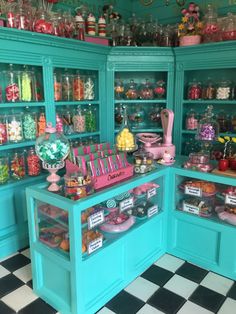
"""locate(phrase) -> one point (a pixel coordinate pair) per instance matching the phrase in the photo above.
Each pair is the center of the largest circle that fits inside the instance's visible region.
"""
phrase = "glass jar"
(57, 86)
(155, 116)
(3, 129)
(229, 28)
(17, 166)
(12, 90)
(160, 89)
(118, 115)
(131, 90)
(4, 170)
(33, 163)
(191, 120)
(125, 139)
(27, 85)
(78, 87)
(29, 125)
(208, 128)
(138, 116)
(223, 90)
(59, 123)
(211, 29)
(14, 128)
(233, 123)
(194, 90)
(89, 88)
(209, 90)
(67, 84)
(68, 127)
(146, 91)
(119, 89)
(79, 121)
(41, 124)
(223, 122)
(90, 119)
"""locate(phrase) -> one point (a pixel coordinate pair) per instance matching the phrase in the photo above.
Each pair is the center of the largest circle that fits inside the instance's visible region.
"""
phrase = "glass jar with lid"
(194, 90)
(90, 119)
(79, 120)
(160, 89)
(29, 124)
(27, 85)
(12, 79)
(208, 128)
(89, 88)
(131, 90)
(41, 123)
(191, 120)
(223, 121)
(229, 28)
(4, 170)
(14, 128)
(3, 129)
(59, 122)
(155, 116)
(33, 163)
(57, 86)
(119, 89)
(223, 90)
(67, 117)
(146, 90)
(118, 115)
(209, 90)
(17, 165)
(211, 28)
(67, 86)
(78, 87)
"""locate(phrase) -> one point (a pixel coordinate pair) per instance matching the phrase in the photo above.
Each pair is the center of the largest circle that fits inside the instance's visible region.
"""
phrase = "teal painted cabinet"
(43, 57)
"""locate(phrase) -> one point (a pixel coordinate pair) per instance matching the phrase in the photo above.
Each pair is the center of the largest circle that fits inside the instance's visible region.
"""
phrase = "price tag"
(152, 211)
(95, 245)
(151, 192)
(190, 208)
(126, 204)
(190, 190)
(95, 219)
(230, 199)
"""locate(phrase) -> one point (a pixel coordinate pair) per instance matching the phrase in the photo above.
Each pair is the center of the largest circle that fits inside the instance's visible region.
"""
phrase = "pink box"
(97, 40)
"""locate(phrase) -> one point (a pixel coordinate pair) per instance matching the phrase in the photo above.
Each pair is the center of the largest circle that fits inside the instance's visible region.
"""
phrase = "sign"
(190, 190)
(151, 192)
(152, 211)
(95, 245)
(126, 204)
(190, 209)
(95, 219)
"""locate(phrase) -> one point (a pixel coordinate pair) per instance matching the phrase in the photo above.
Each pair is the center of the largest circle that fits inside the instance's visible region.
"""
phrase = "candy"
(223, 93)
(79, 123)
(17, 166)
(89, 89)
(12, 92)
(41, 124)
(33, 164)
(14, 130)
(4, 172)
(3, 133)
(90, 121)
(207, 132)
(59, 124)
(125, 140)
(52, 152)
(78, 89)
(29, 127)
(26, 94)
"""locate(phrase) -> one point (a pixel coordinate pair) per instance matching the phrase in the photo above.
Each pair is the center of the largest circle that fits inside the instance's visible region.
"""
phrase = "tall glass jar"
(223, 90)
(67, 121)
(78, 87)
(90, 119)
(209, 90)
(14, 128)
(57, 86)
(208, 128)
(18, 165)
(211, 29)
(33, 163)
(67, 86)
(29, 125)
(3, 129)
(4, 170)
(118, 115)
(229, 28)
(119, 89)
(27, 85)
(154, 116)
(12, 89)
(89, 88)
(223, 121)
(79, 121)
(59, 123)
(191, 120)
(41, 123)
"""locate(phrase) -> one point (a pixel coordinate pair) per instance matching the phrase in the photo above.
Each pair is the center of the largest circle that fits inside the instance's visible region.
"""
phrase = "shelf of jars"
(141, 101)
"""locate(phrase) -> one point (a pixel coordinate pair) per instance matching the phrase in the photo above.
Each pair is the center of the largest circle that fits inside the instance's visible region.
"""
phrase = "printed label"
(152, 211)
(95, 244)
(230, 199)
(192, 191)
(126, 204)
(190, 209)
(151, 192)
(95, 219)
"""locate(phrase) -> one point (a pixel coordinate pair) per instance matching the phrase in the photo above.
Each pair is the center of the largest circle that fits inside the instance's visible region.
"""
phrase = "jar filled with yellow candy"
(125, 139)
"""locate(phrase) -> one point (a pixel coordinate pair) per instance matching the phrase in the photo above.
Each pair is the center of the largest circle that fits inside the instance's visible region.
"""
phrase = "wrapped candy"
(14, 128)
(18, 166)
(33, 163)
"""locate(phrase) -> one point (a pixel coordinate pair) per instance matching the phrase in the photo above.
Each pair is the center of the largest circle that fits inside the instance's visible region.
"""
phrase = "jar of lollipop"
(29, 125)
(78, 87)
(17, 166)
(33, 163)
(160, 89)
(57, 87)
(79, 121)
(14, 128)
(4, 170)
(3, 129)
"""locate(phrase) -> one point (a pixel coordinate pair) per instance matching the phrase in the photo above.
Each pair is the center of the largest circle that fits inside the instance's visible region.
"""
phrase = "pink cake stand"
(53, 178)
(148, 138)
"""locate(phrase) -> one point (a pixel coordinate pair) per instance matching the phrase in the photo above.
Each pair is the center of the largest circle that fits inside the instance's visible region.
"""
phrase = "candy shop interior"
(117, 147)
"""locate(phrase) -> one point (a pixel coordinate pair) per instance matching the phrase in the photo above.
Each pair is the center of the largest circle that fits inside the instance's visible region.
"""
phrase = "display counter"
(83, 254)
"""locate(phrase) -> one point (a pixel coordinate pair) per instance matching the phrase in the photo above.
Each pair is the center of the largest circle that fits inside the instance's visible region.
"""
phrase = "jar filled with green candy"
(4, 170)
(90, 119)
(27, 81)
(29, 124)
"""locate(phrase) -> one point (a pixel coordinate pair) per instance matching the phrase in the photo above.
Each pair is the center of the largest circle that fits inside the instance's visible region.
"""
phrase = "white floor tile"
(9, 256)
(105, 310)
(24, 273)
(3, 271)
(26, 253)
(228, 307)
(169, 262)
(19, 298)
(141, 288)
(217, 283)
(181, 286)
(192, 308)
(148, 309)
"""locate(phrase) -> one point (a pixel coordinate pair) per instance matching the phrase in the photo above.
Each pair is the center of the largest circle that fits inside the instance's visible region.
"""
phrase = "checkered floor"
(169, 286)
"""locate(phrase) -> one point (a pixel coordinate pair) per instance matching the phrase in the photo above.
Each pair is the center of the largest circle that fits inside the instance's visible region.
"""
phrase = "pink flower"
(184, 11)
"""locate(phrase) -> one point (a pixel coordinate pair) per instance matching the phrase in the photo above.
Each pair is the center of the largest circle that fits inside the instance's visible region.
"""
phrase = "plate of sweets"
(207, 188)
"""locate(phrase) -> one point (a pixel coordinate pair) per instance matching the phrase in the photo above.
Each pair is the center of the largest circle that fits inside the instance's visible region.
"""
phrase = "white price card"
(126, 204)
(94, 245)
(230, 199)
(151, 192)
(95, 219)
(190, 208)
(152, 211)
(191, 190)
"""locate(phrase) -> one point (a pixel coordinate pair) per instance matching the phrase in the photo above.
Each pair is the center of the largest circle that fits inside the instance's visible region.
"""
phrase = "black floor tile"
(192, 272)
(232, 292)
(166, 301)
(4, 309)
(15, 262)
(8, 284)
(30, 284)
(157, 275)
(207, 298)
(125, 303)
(38, 307)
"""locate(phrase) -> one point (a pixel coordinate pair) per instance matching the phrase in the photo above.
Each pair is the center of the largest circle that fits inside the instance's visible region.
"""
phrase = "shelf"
(143, 130)
(21, 104)
(193, 132)
(26, 180)
(74, 103)
(210, 102)
(141, 101)
(78, 135)
(17, 145)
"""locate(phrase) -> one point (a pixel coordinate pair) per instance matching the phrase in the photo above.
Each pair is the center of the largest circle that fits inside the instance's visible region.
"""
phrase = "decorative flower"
(190, 23)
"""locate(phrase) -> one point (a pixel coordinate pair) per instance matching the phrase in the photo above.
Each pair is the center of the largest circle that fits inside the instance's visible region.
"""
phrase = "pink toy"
(150, 139)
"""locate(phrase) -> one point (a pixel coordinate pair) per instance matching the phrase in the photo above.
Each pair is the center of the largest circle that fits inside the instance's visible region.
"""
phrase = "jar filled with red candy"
(57, 86)
(59, 123)
(42, 23)
(191, 120)
(78, 87)
(17, 163)
(146, 91)
(12, 90)
(229, 28)
(211, 29)
(131, 90)
(3, 130)
(33, 163)
(160, 89)
(194, 90)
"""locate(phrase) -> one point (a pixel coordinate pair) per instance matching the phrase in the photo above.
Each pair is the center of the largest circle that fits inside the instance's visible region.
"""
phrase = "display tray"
(228, 173)
(112, 226)
(225, 216)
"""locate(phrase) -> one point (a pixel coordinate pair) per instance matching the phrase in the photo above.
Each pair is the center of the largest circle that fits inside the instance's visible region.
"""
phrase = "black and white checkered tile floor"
(169, 286)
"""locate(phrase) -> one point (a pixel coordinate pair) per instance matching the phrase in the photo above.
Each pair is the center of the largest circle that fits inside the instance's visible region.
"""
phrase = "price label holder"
(95, 245)
(126, 204)
(151, 192)
(190, 208)
(230, 199)
(95, 219)
(152, 211)
(191, 190)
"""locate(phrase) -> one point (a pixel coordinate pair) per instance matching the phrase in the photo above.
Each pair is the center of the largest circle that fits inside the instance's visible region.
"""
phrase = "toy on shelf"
(52, 148)
(150, 139)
